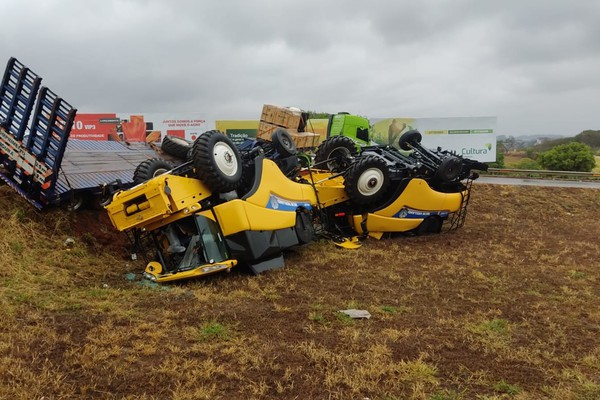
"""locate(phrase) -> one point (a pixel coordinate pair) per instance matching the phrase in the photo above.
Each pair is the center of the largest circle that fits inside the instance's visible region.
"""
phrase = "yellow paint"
(149, 202)
(237, 216)
(420, 196)
(417, 195)
(223, 125)
(204, 269)
(274, 182)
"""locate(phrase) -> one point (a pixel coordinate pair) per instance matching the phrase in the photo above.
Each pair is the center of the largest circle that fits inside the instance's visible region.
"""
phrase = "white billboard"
(470, 137)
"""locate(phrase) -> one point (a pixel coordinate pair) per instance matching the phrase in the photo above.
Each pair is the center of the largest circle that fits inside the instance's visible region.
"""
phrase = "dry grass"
(506, 307)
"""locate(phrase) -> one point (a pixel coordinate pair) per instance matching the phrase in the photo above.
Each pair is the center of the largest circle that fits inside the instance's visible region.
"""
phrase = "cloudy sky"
(533, 64)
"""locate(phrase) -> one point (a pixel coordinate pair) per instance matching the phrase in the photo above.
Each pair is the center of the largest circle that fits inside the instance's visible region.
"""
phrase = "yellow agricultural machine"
(230, 205)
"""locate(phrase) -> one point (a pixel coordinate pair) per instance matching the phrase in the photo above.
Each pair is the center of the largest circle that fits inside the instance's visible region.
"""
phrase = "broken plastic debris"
(356, 314)
(69, 243)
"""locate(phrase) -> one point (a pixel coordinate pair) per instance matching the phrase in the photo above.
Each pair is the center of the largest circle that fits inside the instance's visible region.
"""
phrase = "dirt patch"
(506, 305)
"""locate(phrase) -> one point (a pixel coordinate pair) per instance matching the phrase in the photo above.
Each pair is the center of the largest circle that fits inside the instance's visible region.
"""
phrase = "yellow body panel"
(154, 269)
(377, 224)
(177, 216)
(238, 215)
(417, 195)
(330, 188)
(274, 182)
(420, 196)
(151, 202)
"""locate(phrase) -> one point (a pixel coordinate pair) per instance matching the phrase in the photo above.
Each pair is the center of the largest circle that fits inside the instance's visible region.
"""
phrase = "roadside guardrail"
(543, 174)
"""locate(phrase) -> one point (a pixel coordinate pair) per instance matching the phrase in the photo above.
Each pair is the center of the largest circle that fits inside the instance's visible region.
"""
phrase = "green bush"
(572, 156)
(527, 163)
(499, 163)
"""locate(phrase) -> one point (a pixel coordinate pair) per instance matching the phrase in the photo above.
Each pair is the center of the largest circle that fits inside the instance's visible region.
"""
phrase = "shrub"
(499, 163)
(527, 163)
(572, 156)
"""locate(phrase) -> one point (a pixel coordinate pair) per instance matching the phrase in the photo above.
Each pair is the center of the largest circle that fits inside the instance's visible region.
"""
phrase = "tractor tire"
(176, 146)
(408, 137)
(217, 161)
(333, 153)
(150, 168)
(367, 181)
(449, 169)
(78, 201)
(283, 143)
(305, 230)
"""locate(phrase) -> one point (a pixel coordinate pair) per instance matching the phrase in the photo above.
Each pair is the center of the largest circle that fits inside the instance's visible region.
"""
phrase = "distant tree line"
(565, 154)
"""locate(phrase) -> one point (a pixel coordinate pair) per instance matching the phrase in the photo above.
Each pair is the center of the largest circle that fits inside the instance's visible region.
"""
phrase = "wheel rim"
(159, 171)
(370, 182)
(225, 159)
(339, 152)
(77, 202)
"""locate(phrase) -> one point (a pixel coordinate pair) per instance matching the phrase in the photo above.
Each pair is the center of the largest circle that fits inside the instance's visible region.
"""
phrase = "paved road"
(500, 180)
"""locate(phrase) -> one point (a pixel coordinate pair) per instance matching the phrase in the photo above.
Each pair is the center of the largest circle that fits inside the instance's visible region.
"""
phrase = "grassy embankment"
(506, 307)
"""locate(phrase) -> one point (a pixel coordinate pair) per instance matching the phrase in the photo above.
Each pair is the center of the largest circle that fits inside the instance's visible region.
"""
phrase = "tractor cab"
(189, 247)
(353, 126)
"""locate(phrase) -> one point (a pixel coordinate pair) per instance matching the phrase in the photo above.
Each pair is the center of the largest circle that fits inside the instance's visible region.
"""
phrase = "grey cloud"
(528, 62)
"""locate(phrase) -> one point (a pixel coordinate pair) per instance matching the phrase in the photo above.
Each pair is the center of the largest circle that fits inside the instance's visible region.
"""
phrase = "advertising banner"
(138, 127)
(470, 137)
(238, 130)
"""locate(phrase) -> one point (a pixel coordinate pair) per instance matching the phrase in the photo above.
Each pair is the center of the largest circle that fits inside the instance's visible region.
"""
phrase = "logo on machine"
(281, 204)
(409, 213)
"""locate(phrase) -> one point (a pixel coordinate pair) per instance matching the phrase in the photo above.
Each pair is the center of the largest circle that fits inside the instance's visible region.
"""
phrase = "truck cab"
(353, 126)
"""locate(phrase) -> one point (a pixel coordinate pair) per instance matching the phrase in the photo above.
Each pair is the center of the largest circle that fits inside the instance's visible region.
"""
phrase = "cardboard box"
(265, 130)
(281, 116)
(305, 139)
(302, 139)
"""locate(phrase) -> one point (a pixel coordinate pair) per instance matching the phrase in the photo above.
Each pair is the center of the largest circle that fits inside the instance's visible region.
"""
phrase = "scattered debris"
(356, 314)
(69, 243)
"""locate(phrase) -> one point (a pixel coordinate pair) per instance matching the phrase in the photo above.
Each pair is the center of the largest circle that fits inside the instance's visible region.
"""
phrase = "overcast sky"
(533, 64)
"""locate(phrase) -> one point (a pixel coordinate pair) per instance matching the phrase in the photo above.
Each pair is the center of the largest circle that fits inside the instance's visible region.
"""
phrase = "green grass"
(213, 330)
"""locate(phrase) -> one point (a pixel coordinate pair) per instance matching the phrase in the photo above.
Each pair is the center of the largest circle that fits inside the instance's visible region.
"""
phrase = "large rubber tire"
(367, 181)
(217, 161)
(408, 137)
(284, 143)
(305, 230)
(176, 146)
(333, 152)
(150, 168)
(78, 201)
(449, 169)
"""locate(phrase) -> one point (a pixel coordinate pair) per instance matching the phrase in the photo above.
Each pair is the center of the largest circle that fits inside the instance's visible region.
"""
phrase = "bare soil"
(508, 306)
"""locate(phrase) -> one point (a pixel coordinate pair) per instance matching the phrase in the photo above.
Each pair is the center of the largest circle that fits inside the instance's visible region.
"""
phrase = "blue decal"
(280, 204)
(409, 213)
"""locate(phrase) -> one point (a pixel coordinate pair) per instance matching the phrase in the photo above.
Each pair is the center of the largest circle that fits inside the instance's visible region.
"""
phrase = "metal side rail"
(31, 165)
(18, 91)
(458, 218)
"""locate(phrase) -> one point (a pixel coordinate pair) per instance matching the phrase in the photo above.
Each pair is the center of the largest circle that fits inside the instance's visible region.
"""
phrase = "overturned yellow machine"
(227, 205)
(199, 220)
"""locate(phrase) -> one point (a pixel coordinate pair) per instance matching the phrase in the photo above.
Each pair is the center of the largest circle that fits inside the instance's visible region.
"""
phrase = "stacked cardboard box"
(274, 117)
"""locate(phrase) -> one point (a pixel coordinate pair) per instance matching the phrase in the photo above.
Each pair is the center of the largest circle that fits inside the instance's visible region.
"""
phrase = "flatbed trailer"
(38, 160)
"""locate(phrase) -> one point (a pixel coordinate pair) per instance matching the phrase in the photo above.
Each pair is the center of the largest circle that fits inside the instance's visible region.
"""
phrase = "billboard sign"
(138, 127)
(470, 137)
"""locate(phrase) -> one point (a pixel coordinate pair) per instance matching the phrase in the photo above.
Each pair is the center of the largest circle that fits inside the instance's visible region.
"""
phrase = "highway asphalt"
(501, 180)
